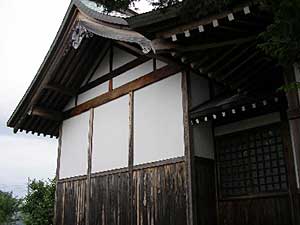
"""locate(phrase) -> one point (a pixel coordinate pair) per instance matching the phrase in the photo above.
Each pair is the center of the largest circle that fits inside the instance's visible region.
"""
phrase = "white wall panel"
(133, 74)
(158, 121)
(203, 140)
(111, 134)
(73, 161)
(160, 64)
(121, 57)
(199, 90)
(92, 93)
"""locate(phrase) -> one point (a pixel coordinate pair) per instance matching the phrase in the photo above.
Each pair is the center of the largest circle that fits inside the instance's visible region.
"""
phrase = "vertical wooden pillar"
(57, 172)
(111, 60)
(189, 154)
(130, 155)
(89, 169)
(293, 114)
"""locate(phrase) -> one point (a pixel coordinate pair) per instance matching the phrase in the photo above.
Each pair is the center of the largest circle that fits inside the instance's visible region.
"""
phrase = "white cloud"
(23, 157)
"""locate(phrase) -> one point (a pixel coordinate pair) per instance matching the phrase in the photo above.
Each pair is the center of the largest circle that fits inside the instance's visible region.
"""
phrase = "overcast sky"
(27, 31)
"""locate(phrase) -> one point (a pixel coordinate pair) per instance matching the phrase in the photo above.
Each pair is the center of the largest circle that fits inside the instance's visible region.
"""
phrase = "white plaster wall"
(248, 124)
(121, 57)
(92, 93)
(203, 140)
(160, 64)
(133, 74)
(111, 135)
(73, 161)
(199, 90)
(158, 121)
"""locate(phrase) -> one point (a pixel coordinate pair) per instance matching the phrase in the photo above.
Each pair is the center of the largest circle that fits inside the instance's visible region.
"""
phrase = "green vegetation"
(38, 205)
(9, 206)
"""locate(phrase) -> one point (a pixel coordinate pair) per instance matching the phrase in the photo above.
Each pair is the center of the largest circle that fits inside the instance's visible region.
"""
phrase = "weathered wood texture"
(159, 195)
(205, 191)
(70, 204)
(109, 201)
(260, 211)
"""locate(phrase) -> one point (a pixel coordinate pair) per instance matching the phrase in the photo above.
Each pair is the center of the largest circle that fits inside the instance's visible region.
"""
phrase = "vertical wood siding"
(109, 202)
(159, 195)
(262, 211)
(70, 205)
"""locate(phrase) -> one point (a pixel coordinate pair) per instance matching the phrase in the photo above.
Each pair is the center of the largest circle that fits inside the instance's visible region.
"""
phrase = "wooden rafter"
(46, 113)
(98, 62)
(232, 60)
(206, 46)
(239, 66)
(195, 24)
(61, 89)
(122, 69)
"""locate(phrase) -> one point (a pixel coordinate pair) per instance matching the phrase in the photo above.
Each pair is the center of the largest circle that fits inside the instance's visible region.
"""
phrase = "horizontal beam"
(206, 46)
(61, 89)
(123, 90)
(122, 69)
(195, 24)
(48, 114)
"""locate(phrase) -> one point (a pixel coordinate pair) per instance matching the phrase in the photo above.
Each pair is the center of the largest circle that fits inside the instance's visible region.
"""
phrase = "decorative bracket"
(79, 33)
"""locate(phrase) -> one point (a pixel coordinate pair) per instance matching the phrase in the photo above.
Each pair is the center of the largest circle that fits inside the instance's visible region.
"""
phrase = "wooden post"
(111, 61)
(130, 155)
(89, 169)
(57, 172)
(294, 136)
(189, 155)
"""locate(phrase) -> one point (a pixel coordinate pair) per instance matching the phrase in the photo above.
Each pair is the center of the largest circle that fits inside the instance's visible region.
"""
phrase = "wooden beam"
(232, 60)
(111, 61)
(205, 46)
(195, 24)
(240, 65)
(122, 69)
(61, 89)
(98, 61)
(123, 90)
(189, 155)
(220, 59)
(89, 167)
(46, 113)
(57, 172)
(131, 154)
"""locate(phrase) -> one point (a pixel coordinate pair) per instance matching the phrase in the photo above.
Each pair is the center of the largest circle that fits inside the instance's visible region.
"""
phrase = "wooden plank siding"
(256, 211)
(109, 200)
(158, 197)
(71, 201)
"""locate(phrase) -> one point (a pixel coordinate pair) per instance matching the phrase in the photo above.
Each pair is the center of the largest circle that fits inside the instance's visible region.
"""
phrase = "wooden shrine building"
(166, 121)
